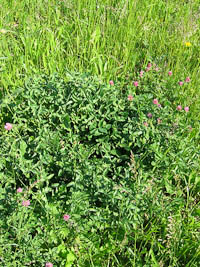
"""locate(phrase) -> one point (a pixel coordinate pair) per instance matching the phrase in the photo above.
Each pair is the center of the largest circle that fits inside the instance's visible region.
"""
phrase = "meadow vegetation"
(99, 113)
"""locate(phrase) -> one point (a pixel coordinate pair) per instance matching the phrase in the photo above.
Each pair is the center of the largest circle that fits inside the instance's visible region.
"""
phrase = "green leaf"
(103, 130)
(96, 35)
(67, 121)
(169, 187)
(23, 147)
(70, 259)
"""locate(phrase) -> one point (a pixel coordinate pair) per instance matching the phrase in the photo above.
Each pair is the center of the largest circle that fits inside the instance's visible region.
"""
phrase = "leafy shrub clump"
(95, 151)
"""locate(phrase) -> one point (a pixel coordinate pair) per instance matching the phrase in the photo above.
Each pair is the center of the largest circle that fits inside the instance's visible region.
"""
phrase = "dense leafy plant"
(96, 151)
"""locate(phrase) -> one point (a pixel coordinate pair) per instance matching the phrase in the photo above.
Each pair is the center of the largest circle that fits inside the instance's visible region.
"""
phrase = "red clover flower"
(155, 101)
(66, 217)
(179, 107)
(26, 203)
(170, 73)
(8, 126)
(130, 98)
(19, 190)
(111, 82)
(186, 109)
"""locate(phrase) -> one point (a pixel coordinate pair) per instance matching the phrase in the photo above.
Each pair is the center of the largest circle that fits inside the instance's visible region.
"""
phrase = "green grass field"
(112, 40)
(109, 38)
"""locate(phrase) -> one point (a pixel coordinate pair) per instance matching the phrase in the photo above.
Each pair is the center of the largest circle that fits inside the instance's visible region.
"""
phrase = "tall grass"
(109, 38)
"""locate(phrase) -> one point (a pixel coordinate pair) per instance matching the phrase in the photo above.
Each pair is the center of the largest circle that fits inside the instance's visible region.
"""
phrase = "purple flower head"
(186, 109)
(130, 98)
(179, 107)
(66, 217)
(26, 203)
(170, 73)
(187, 80)
(141, 73)
(19, 190)
(155, 101)
(8, 126)
(111, 82)
(149, 115)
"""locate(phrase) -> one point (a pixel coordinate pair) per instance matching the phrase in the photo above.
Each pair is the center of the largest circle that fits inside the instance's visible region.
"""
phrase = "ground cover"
(100, 133)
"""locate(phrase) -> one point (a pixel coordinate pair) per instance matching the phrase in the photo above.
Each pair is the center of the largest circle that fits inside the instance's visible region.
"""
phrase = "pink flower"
(8, 126)
(135, 84)
(159, 105)
(146, 124)
(155, 101)
(179, 107)
(170, 73)
(159, 121)
(111, 82)
(48, 264)
(187, 80)
(148, 68)
(26, 203)
(19, 190)
(66, 217)
(186, 109)
(149, 115)
(180, 83)
(141, 73)
(149, 65)
(130, 98)
(156, 69)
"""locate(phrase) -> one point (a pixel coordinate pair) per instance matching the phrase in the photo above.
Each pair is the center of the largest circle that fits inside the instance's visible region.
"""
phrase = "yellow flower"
(188, 44)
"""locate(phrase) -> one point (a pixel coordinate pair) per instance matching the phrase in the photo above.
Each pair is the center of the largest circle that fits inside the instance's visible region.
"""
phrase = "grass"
(110, 38)
(114, 40)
